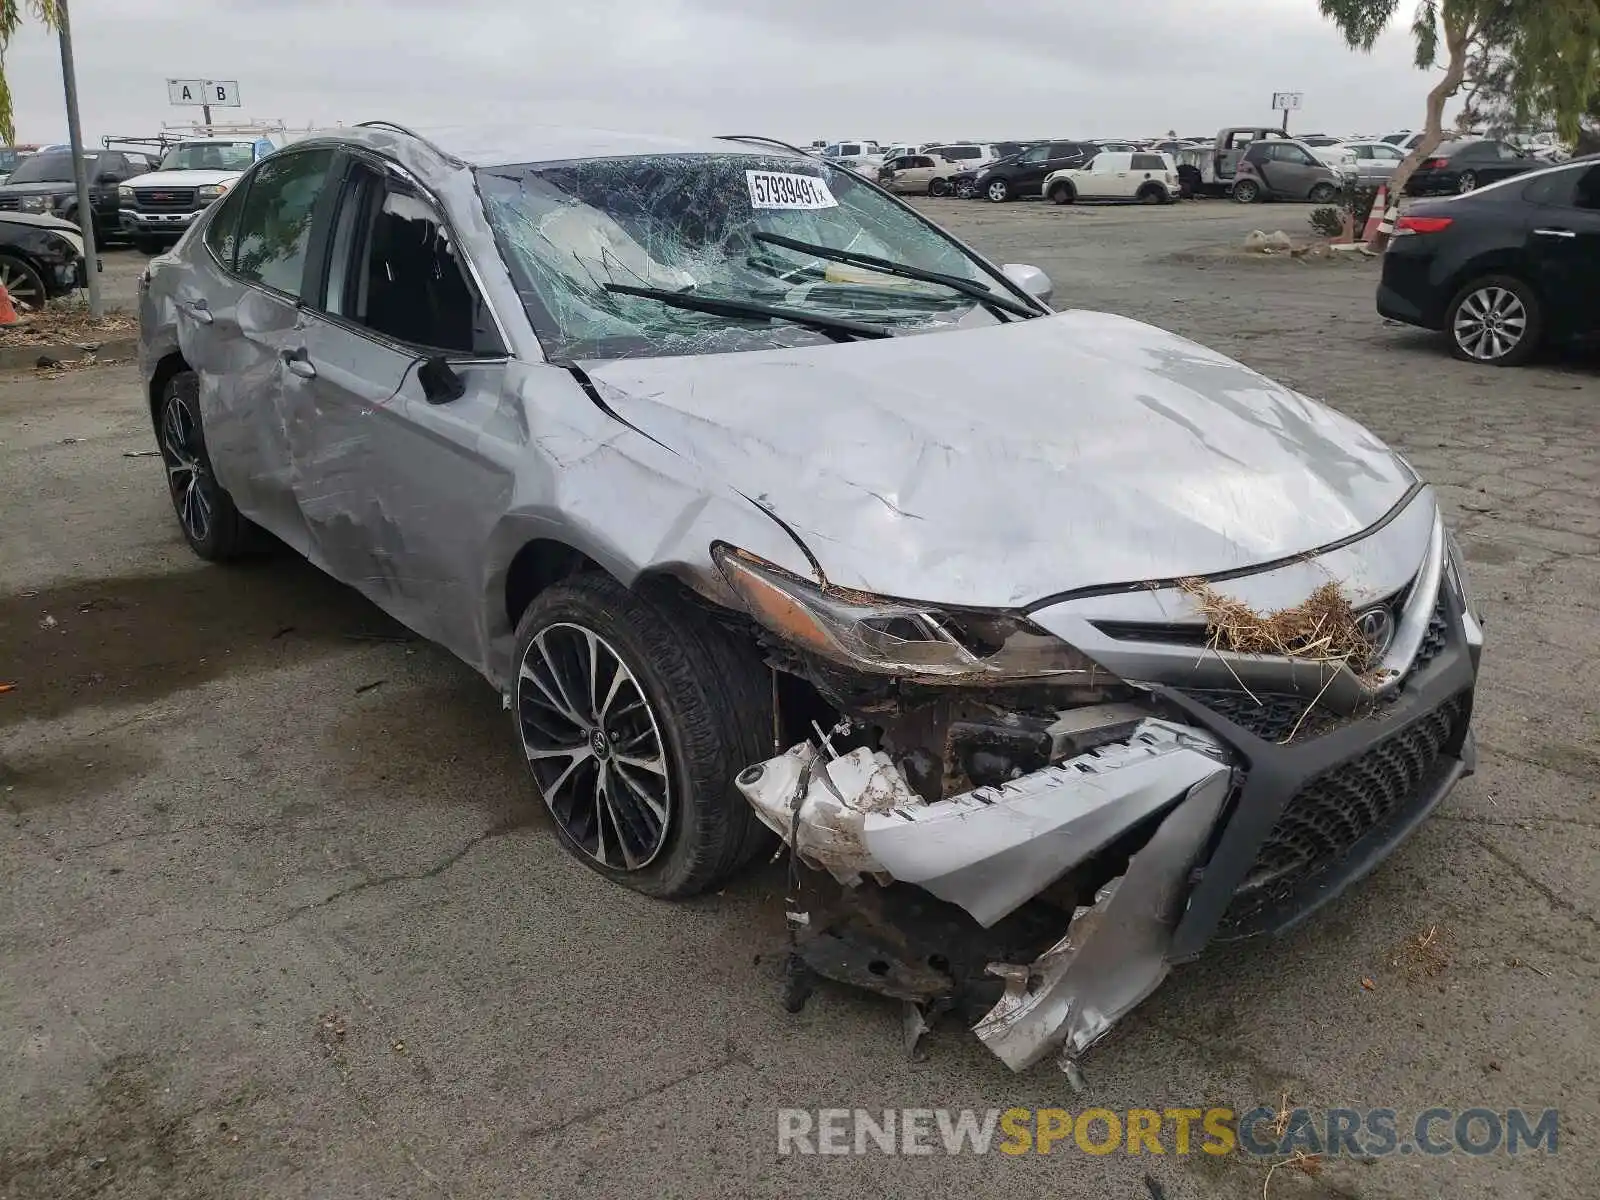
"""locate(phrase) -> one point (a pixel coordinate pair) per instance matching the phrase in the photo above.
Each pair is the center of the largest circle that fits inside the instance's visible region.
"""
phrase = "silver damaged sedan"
(787, 524)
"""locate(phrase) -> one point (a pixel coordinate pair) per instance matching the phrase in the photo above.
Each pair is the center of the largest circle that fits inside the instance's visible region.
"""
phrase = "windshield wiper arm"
(990, 300)
(840, 329)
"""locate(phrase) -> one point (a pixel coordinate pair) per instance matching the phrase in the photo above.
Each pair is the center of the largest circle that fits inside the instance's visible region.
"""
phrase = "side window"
(1390, 153)
(1587, 194)
(275, 221)
(1508, 151)
(1149, 162)
(922, 160)
(1097, 163)
(1037, 154)
(222, 229)
(395, 269)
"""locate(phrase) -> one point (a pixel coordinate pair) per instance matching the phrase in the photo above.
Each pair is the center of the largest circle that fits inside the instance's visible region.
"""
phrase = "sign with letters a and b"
(220, 93)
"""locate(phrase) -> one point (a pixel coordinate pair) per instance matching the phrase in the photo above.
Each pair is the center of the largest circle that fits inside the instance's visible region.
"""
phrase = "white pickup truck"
(156, 208)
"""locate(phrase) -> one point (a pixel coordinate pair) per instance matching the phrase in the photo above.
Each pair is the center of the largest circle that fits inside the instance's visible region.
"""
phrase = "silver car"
(773, 511)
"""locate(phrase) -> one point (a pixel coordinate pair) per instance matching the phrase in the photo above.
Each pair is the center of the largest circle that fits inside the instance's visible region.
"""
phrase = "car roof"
(487, 145)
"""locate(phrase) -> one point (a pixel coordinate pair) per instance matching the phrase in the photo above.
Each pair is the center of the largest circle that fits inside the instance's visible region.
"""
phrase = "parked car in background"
(45, 183)
(1115, 145)
(10, 156)
(919, 174)
(696, 450)
(1375, 161)
(1024, 174)
(855, 155)
(1284, 169)
(1504, 269)
(1143, 176)
(41, 258)
(1465, 166)
(155, 208)
(967, 156)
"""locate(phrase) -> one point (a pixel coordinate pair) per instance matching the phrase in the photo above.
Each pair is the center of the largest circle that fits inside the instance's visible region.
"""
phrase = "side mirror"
(1031, 280)
(440, 383)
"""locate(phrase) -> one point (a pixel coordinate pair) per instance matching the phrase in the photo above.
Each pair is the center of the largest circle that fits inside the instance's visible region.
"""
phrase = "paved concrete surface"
(281, 917)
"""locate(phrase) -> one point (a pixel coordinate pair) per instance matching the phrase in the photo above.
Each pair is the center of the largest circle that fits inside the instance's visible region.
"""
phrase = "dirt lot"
(283, 919)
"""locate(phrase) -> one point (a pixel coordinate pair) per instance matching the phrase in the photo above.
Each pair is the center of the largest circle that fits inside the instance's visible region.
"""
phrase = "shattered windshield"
(688, 224)
(210, 156)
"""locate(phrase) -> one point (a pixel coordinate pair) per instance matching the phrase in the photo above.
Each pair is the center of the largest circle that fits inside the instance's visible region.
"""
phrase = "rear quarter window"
(1149, 162)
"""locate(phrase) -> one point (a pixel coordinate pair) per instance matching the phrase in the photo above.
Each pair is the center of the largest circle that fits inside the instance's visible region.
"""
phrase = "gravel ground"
(281, 918)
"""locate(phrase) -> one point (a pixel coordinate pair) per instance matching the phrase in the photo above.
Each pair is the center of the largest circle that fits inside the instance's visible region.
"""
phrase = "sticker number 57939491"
(779, 189)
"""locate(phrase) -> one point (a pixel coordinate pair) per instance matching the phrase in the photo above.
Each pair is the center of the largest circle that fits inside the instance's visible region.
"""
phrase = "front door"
(1027, 177)
(408, 450)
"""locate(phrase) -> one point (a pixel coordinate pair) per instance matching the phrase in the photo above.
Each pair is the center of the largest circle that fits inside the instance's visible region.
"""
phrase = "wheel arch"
(170, 365)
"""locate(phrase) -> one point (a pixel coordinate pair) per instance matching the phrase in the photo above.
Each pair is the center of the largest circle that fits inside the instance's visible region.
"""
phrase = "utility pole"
(80, 165)
(205, 115)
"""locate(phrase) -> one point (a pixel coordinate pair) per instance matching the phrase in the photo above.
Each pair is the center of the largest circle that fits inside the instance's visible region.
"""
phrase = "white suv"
(1145, 176)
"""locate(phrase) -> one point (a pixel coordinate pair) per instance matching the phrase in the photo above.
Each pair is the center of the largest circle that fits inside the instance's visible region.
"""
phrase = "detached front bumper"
(1204, 819)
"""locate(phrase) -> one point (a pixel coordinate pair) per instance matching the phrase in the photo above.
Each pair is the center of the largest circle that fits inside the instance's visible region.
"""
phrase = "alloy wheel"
(1467, 183)
(22, 286)
(1490, 323)
(595, 745)
(186, 474)
(998, 191)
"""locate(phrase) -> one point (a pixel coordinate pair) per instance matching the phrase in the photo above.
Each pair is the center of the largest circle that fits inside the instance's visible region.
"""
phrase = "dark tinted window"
(275, 222)
(1577, 187)
(222, 229)
(398, 272)
(1149, 162)
(922, 160)
(53, 167)
(1066, 150)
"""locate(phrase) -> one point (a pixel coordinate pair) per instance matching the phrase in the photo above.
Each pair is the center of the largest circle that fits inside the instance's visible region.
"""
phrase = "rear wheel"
(1467, 183)
(1246, 191)
(939, 187)
(999, 191)
(1151, 194)
(23, 284)
(211, 524)
(1323, 193)
(1495, 321)
(636, 712)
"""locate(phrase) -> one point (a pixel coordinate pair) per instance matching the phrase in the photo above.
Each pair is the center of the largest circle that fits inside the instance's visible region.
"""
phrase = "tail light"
(1423, 224)
(1435, 164)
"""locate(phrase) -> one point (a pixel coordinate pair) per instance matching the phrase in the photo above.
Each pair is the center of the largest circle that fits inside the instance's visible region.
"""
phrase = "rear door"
(1564, 246)
(404, 456)
(1148, 168)
(238, 326)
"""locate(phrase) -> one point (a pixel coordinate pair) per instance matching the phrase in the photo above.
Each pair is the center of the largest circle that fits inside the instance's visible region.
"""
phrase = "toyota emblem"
(1376, 627)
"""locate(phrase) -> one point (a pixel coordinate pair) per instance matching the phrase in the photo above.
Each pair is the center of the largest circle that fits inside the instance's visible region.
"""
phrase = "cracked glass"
(686, 224)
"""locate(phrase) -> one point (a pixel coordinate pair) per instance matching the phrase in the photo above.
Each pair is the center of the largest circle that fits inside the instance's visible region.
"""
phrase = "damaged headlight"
(894, 637)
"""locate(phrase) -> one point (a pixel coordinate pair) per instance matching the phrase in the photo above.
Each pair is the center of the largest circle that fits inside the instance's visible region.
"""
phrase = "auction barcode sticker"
(777, 189)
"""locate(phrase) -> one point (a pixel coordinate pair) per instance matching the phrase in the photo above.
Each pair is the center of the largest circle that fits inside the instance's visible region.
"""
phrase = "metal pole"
(205, 114)
(1286, 119)
(80, 165)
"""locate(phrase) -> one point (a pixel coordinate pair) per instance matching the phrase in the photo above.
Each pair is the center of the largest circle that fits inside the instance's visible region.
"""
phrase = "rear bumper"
(1407, 291)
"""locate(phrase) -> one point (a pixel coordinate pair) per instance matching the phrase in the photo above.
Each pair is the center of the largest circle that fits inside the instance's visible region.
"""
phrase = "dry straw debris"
(1322, 629)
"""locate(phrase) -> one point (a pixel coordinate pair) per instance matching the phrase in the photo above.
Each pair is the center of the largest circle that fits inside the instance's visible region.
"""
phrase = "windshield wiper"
(840, 329)
(990, 300)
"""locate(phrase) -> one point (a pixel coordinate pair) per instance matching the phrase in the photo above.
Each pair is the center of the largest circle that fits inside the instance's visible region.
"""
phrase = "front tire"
(211, 524)
(1495, 321)
(998, 191)
(1062, 193)
(636, 712)
(24, 285)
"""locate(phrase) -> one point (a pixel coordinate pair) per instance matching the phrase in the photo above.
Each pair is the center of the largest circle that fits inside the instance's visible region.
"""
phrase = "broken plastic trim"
(890, 637)
(1115, 953)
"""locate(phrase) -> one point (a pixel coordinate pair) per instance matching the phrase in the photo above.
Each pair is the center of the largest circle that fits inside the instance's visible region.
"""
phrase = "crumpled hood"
(994, 467)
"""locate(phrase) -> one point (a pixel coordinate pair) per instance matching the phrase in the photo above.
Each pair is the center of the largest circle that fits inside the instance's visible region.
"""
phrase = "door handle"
(299, 364)
(198, 310)
(1560, 233)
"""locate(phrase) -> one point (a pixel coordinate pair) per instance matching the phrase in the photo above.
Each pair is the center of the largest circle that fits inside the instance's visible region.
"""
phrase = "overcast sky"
(797, 69)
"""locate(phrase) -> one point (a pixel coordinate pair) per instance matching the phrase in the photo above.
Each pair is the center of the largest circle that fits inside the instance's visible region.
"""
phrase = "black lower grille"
(164, 199)
(9, 204)
(1335, 810)
(1271, 717)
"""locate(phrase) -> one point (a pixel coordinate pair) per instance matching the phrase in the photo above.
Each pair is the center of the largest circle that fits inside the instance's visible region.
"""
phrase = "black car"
(1504, 269)
(1466, 166)
(1023, 174)
(41, 257)
(43, 183)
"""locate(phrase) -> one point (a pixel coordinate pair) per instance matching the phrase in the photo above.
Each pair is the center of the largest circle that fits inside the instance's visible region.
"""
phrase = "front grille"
(1271, 717)
(1335, 810)
(1436, 637)
(164, 199)
(10, 203)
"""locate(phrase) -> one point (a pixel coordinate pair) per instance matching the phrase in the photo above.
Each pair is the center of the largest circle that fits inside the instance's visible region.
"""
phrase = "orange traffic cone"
(1380, 205)
(8, 310)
